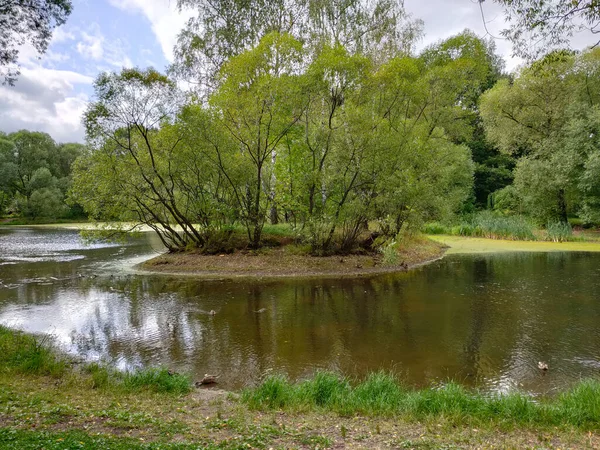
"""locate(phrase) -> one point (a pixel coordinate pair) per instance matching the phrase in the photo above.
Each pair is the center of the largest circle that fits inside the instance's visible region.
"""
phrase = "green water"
(483, 320)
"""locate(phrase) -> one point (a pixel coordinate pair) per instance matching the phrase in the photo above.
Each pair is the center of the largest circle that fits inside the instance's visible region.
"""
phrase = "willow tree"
(132, 157)
(367, 149)
(258, 103)
(222, 29)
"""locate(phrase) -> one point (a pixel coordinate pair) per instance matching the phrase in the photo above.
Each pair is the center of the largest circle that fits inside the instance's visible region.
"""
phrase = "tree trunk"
(562, 206)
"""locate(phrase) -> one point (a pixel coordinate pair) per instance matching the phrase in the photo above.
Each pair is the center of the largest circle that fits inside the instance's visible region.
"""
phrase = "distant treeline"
(35, 176)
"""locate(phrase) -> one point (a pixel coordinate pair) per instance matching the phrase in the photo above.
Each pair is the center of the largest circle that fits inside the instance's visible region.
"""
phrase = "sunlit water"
(482, 320)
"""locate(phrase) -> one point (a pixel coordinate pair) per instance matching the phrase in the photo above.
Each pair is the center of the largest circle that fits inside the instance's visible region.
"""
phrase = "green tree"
(225, 28)
(546, 117)
(134, 147)
(32, 162)
(259, 104)
(475, 68)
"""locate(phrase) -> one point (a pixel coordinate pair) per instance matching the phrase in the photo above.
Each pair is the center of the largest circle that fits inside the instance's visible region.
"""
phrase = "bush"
(435, 228)
(559, 231)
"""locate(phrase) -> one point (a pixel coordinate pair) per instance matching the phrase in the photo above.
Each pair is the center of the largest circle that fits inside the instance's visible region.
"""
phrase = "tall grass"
(559, 231)
(488, 224)
(381, 394)
(24, 353)
(491, 225)
(159, 380)
(435, 228)
(29, 354)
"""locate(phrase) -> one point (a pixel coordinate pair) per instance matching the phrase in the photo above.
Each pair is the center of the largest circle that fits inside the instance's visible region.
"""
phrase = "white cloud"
(444, 18)
(45, 100)
(60, 34)
(93, 45)
(164, 17)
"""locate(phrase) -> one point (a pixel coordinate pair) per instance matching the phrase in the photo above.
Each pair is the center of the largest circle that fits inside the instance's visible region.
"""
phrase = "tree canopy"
(548, 117)
(225, 28)
(326, 119)
(332, 141)
(27, 21)
(539, 25)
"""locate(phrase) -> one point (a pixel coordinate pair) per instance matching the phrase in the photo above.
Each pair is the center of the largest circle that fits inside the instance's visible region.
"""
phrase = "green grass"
(34, 355)
(381, 394)
(94, 406)
(40, 221)
(11, 439)
(435, 228)
(493, 225)
(487, 224)
(29, 354)
(157, 380)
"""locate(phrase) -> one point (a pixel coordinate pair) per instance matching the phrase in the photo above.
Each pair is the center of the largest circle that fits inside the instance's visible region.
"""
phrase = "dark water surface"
(483, 320)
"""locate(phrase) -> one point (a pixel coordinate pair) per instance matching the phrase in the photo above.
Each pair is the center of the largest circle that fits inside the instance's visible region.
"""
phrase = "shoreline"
(460, 245)
(280, 264)
(432, 248)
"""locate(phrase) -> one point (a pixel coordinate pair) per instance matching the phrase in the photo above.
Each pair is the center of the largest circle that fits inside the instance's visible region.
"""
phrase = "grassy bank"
(21, 221)
(491, 225)
(47, 401)
(464, 245)
(382, 394)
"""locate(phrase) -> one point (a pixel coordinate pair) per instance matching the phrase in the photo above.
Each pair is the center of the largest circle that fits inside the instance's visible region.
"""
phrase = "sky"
(53, 90)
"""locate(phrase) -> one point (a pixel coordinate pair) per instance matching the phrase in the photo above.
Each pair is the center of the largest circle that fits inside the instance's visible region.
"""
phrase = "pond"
(482, 320)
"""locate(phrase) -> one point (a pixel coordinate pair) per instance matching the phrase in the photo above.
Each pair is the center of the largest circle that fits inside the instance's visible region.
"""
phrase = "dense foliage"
(222, 29)
(548, 117)
(35, 175)
(319, 114)
(333, 141)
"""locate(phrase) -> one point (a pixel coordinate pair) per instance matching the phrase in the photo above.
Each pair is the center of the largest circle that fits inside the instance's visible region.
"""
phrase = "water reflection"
(482, 320)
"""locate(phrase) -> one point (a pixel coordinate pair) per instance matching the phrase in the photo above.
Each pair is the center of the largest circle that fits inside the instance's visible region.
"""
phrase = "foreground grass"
(48, 402)
(26, 354)
(382, 394)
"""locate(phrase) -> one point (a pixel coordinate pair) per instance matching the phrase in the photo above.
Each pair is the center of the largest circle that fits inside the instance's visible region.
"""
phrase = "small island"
(286, 260)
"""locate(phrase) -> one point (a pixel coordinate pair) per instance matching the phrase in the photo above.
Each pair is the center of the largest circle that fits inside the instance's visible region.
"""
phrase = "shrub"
(559, 231)
(435, 228)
